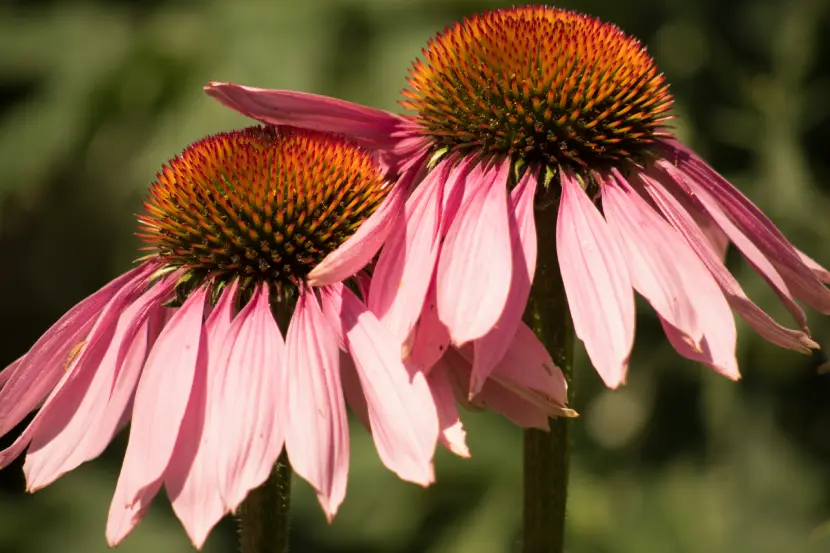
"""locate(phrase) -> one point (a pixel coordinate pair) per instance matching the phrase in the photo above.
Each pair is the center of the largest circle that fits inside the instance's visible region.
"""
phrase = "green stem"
(263, 516)
(547, 454)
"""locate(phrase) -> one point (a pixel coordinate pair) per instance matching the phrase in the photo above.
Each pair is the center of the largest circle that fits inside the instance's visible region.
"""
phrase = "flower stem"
(263, 516)
(547, 454)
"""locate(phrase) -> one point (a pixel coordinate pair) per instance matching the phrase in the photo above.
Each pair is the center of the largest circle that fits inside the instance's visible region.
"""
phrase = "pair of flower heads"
(341, 255)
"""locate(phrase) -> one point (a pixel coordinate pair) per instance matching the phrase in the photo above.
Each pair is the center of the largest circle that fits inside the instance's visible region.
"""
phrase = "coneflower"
(526, 107)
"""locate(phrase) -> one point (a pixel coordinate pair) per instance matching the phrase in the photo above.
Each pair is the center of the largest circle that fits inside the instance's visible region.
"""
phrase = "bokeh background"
(95, 95)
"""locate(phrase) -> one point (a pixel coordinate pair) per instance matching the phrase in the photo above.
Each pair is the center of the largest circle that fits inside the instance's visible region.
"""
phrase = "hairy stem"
(263, 516)
(547, 454)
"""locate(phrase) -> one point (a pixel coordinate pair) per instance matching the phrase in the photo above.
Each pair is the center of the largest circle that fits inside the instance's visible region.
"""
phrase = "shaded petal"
(804, 284)
(356, 252)
(371, 127)
(402, 414)
(162, 396)
(668, 273)
(490, 348)
(47, 361)
(251, 381)
(527, 371)
(596, 282)
(475, 266)
(192, 479)
(430, 338)
(407, 261)
(452, 434)
(515, 408)
(760, 321)
(317, 439)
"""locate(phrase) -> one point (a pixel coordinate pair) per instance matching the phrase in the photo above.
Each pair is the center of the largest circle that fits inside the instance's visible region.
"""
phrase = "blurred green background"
(95, 95)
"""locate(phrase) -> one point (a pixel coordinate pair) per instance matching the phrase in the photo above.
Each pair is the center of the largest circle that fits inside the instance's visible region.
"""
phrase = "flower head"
(220, 348)
(520, 109)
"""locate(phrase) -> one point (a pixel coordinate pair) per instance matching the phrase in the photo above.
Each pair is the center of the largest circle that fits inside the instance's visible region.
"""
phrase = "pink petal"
(493, 396)
(407, 261)
(161, 399)
(45, 364)
(490, 348)
(668, 273)
(596, 283)
(402, 413)
(760, 321)
(753, 223)
(251, 380)
(352, 390)
(527, 371)
(372, 127)
(356, 252)
(317, 439)
(192, 479)
(757, 260)
(452, 434)
(430, 338)
(107, 371)
(475, 267)
(6, 374)
(821, 273)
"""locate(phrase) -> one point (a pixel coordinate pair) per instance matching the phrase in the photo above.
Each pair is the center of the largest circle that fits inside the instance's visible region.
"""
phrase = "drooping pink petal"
(371, 127)
(668, 273)
(44, 365)
(803, 283)
(407, 261)
(252, 394)
(317, 438)
(192, 478)
(356, 252)
(452, 434)
(107, 370)
(761, 322)
(402, 413)
(655, 271)
(596, 282)
(475, 266)
(517, 409)
(821, 273)
(755, 257)
(161, 399)
(490, 348)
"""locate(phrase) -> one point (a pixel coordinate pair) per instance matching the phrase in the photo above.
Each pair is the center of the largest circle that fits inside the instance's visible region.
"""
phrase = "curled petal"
(760, 321)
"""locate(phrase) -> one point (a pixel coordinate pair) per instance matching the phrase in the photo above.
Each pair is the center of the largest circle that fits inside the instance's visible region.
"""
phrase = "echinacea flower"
(522, 108)
(221, 347)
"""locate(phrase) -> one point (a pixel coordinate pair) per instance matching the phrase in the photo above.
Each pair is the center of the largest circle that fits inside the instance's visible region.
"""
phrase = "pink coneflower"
(532, 106)
(224, 344)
